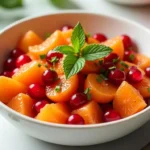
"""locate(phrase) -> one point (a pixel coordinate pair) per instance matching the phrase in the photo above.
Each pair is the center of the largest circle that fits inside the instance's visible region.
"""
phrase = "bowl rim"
(82, 12)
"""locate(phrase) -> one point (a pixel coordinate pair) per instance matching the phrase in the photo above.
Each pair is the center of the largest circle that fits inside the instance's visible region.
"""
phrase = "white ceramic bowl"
(66, 134)
(131, 2)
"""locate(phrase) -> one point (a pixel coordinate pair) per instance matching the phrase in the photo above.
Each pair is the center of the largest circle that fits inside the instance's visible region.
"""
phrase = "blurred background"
(12, 10)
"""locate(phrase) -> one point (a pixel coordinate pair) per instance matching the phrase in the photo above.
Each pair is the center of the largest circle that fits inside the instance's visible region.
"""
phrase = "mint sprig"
(77, 55)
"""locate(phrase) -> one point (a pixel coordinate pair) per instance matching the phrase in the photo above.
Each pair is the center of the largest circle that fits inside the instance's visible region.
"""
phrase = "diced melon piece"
(10, 88)
(142, 61)
(127, 100)
(67, 35)
(56, 113)
(91, 40)
(30, 73)
(117, 45)
(29, 39)
(91, 113)
(23, 104)
(50, 43)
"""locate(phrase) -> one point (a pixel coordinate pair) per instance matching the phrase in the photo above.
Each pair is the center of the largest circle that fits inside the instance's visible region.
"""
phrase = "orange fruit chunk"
(50, 43)
(10, 88)
(117, 46)
(67, 35)
(91, 113)
(29, 39)
(142, 61)
(127, 100)
(102, 91)
(23, 104)
(143, 87)
(91, 40)
(67, 89)
(56, 113)
(30, 73)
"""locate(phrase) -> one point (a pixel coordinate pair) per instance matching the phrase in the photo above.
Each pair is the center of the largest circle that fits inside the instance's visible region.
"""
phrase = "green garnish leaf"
(46, 65)
(43, 56)
(95, 51)
(11, 3)
(88, 35)
(47, 35)
(148, 89)
(78, 37)
(39, 65)
(58, 88)
(122, 69)
(103, 77)
(124, 64)
(87, 92)
(72, 65)
(115, 60)
(112, 68)
(54, 59)
(68, 50)
(99, 79)
(131, 57)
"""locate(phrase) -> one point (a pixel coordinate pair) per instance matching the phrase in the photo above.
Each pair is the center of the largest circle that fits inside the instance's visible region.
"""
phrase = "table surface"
(12, 138)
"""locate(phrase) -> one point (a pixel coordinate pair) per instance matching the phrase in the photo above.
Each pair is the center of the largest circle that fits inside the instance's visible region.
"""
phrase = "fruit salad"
(75, 78)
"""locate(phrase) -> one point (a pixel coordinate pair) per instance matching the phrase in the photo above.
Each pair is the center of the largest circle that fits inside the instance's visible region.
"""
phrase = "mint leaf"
(87, 92)
(43, 56)
(95, 51)
(72, 65)
(11, 3)
(78, 38)
(65, 50)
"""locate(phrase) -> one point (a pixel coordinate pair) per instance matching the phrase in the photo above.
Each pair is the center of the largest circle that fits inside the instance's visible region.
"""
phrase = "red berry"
(127, 42)
(66, 27)
(39, 105)
(22, 59)
(112, 57)
(107, 65)
(10, 64)
(134, 75)
(129, 56)
(15, 70)
(7, 74)
(16, 53)
(100, 37)
(116, 76)
(147, 70)
(49, 77)
(53, 57)
(78, 100)
(111, 115)
(75, 119)
(36, 91)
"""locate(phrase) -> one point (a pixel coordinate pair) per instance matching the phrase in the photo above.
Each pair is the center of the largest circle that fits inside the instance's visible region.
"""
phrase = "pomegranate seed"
(36, 91)
(66, 27)
(16, 53)
(111, 115)
(22, 59)
(10, 64)
(39, 105)
(100, 37)
(107, 65)
(134, 75)
(106, 107)
(129, 56)
(7, 74)
(14, 71)
(75, 119)
(147, 70)
(112, 57)
(116, 76)
(127, 42)
(78, 100)
(53, 57)
(49, 77)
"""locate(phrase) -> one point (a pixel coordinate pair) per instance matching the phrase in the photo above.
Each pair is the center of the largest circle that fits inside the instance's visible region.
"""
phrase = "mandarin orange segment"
(91, 113)
(142, 61)
(30, 73)
(56, 113)
(91, 40)
(117, 46)
(10, 88)
(67, 35)
(91, 67)
(67, 89)
(23, 104)
(143, 87)
(50, 43)
(102, 91)
(127, 100)
(29, 39)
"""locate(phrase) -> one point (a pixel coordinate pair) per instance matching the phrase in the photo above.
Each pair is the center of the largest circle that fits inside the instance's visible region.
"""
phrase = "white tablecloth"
(13, 139)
